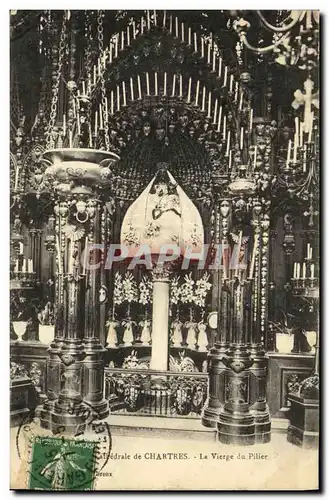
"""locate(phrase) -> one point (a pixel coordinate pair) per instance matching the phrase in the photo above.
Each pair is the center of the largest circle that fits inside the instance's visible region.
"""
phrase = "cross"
(306, 99)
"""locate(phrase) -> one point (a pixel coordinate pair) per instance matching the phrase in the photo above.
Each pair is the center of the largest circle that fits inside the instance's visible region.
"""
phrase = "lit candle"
(173, 85)
(202, 46)
(215, 112)
(228, 143)
(164, 19)
(189, 36)
(128, 35)
(21, 248)
(124, 93)
(230, 159)
(255, 157)
(16, 177)
(122, 40)
(312, 271)
(304, 270)
(182, 26)
(100, 117)
(209, 49)
(251, 118)
(214, 61)
(197, 92)
(112, 102)
(209, 105)
(176, 26)
(224, 127)
(195, 43)
(96, 123)
(131, 89)
(64, 125)
(147, 84)
(156, 83)
(203, 98)
(220, 67)
(165, 83)
(219, 118)
(241, 138)
(225, 77)
(148, 20)
(189, 90)
(134, 30)
(139, 87)
(118, 98)
(288, 153)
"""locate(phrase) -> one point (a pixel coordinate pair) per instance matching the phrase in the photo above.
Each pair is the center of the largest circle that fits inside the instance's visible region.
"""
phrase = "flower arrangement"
(145, 291)
(130, 290)
(202, 288)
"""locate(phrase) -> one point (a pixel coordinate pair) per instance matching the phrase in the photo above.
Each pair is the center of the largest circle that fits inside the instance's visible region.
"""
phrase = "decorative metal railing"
(148, 392)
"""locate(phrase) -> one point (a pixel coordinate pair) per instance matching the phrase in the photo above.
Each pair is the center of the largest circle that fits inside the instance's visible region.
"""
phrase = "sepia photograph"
(164, 250)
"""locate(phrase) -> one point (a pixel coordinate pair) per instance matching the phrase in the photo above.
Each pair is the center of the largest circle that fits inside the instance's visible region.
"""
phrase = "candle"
(170, 24)
(94, 75)
(220, 67)
(173, 85)
(295, 270)
(189, 36)
(312, 271)
(148, 20)
(99, 66)
(189, 90)
(24, 266)
(295, 148)
(231, 83)
(202, 46)
(304, 270)
(183, 32)
(96, 123)
(112, 102)
(124, 93)
(85, 256)
(288, 153)
(311, 128)
(214, 61)
(203, 98)
(83, 87)
(165, 84)
(308, 251)
(64, 125)
(16, 266)
(147, 84)
(209, 105)
(228, 143)
(251, 118)
(176, 26)
(142, 25)
(180, 86)
(311, 253)
(139, 87)
(219, 118)
(100, 117)
(16, 177)
(118, 98)
(106, 109)
(253, 257)
(296, 126)
(90, 137)
(156, 83)
(236, 92)
(224, 127)
(134, 30)
(21, 248)
(116, 45)
(195, 43)
(255, 157)
(128, 35)
(164, 19)
(298, 271)
(111, 52)
(301, 125)
(30, 266)
(215, 112)
(241, 138)
(230, 160)
(131, 89)
(122, 40)
(225, 77)
(241, 100)
(197, 92)
(209, 49)
(74, 110)
(155, 17)
(70, 138)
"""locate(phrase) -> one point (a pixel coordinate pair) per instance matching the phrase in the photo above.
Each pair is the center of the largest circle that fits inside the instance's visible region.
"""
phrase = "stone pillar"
(160, 320)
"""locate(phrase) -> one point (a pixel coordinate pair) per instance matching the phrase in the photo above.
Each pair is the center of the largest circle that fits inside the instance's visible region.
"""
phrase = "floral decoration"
(145, 291)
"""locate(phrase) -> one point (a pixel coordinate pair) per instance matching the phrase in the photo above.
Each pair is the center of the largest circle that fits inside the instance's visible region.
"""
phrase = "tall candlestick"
(24, 266)
(96, 123)
(100, 117)
(214, 61)
(298, 270)
(288, 153)
(215, 112)
(230, 159)
(251, 118)
(134, 30)
(225, 77)
(155, 17)
(202, 46)
(128, 35)
(164, 18)
(118, 98)
(83, 87)
(122, 40)
(124, 93)
(301, 131)
(296, 126)
(189, 36)
(165, 83)
(197, 92)
(189, 89)
(173, 85)
(131, 89)
(231, 83)
(220, 67)
(308, 250)
(304, 270)
(170, 24)
(148, 20)
(236, 92)
(209, 49)
(311, 253)
(99, 66)
(147, 84)
(59, 256)
(176, 26)
(112, 102)
(16, 270)
(21, 248)
(241, 138)
(142, 25)
(241, 100)
(295, 148)
(180, 86)
(224, 127)
(111, 52)
(182, 26)
(195, 43)
(312, 271)
(64, 125)
(156, 83)
(203, 98)
(139, 87)
(295, 270)
(209, 105)
(228, 143)
(219, 118)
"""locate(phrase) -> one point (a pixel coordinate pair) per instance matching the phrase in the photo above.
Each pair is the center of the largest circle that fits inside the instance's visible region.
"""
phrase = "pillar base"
(236, 425)
(59, 419)
(262, 425)
(215, 402)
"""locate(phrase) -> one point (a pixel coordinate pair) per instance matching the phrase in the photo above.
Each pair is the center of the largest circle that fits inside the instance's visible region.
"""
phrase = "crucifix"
(306, 99)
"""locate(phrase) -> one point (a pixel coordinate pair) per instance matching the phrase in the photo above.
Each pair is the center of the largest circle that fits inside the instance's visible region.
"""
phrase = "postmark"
(56, 460)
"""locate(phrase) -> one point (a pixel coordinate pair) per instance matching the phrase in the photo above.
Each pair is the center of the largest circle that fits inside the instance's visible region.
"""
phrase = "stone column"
(160, 320)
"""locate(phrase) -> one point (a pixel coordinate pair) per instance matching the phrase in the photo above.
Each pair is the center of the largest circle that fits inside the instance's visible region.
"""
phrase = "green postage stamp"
(62, 464)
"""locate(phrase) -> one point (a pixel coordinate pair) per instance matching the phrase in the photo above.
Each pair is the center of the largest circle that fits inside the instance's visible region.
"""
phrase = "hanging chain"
(102, 56)
(55, 89)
